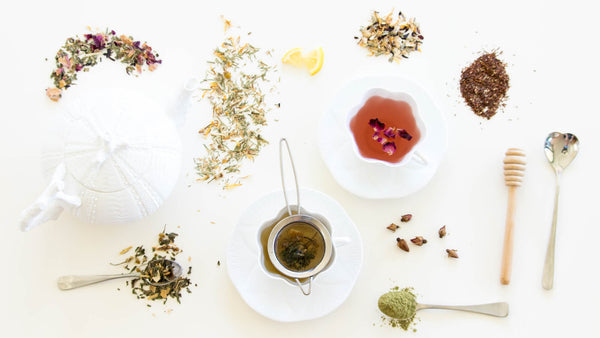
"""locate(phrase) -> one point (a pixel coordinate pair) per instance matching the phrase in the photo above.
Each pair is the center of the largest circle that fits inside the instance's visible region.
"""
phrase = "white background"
(551, 51)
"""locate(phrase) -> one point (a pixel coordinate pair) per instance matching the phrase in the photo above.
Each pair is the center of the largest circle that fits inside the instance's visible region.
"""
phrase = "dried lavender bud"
(452, 253)
(442, 231)
(419, 240)
(402, 244)
(393, 227)
(406, 218)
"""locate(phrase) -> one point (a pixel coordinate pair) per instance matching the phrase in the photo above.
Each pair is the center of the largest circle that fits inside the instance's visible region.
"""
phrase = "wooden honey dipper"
(514, 170)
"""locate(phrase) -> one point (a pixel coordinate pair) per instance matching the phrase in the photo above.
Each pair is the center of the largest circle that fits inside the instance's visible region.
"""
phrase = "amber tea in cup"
(386, 127)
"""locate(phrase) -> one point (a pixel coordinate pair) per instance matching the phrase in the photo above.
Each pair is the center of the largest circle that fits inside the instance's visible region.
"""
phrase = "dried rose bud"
(442, 231)
(419, 240)
(54, 94)
(406, 218)
(393, 227)
(402, 244)
(452, 253)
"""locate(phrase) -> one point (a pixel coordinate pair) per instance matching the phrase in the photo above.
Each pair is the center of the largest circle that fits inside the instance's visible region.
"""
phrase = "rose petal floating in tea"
(376, 124)
(389, 148)
(404, 134)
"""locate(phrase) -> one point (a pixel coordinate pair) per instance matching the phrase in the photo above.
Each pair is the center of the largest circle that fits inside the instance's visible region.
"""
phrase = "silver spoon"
(499, 309)
(560, 149)
(72, 281)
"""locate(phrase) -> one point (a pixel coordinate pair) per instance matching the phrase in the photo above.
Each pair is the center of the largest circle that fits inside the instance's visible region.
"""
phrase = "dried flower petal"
(54, 94)
(404, 134)
(402, 244)
(419, 240)
(393, 227)
(452, 253)
(389, 148)
(389, 132)
(376, 124)
(442, 231)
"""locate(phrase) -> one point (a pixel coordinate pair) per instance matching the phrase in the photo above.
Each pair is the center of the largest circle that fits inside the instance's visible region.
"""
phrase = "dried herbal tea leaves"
(157, 268)
(484, 84)
(79, 54)
(391, 37)
(236, 84)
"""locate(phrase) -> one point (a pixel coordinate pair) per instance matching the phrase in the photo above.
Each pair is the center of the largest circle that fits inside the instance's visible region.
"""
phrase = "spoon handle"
(72, 282)
(548, 275)
(493, 309)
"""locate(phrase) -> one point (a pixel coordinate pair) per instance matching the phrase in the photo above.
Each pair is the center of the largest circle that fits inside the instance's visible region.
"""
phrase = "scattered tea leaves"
(395, 38)
(235, 86)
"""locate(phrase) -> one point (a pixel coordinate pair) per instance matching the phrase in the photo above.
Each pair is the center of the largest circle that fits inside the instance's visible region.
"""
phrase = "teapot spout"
(183, 101)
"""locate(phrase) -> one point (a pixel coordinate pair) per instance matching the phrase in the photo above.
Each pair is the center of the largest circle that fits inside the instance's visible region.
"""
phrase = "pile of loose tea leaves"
(484, 84)
(156, 268)
(79, 54)
(395, 38)
(236, 85)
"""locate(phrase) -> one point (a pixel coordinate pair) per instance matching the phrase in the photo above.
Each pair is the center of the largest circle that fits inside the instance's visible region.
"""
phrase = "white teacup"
(413, 156)
(336, 241)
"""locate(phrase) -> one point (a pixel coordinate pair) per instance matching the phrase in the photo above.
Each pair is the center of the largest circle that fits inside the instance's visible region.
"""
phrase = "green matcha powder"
(400, 306)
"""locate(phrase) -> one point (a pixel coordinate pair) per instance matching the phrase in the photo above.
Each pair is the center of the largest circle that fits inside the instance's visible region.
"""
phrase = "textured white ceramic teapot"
(115, 159)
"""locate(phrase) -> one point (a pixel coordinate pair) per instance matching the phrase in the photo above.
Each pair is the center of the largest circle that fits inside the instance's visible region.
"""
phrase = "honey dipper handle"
(508, 238)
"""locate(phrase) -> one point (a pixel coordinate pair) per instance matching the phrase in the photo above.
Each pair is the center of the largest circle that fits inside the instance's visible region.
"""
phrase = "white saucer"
(376, 180)
(275, 298)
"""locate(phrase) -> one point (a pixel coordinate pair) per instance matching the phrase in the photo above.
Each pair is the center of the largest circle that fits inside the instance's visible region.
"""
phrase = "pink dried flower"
(376, 124)
(389, 132)
(404, 134)
(389, 148)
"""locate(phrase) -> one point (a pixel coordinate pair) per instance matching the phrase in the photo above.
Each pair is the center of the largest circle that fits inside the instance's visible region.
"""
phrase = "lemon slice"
(312, 61)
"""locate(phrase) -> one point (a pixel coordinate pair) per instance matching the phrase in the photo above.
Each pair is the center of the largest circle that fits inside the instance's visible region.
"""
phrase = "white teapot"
(116, 158)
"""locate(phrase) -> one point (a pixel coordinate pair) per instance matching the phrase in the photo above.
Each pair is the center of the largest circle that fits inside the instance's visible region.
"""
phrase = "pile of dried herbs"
(157, 269)
(395, 38)
(484, 84)
(236, 84)
(79, 54)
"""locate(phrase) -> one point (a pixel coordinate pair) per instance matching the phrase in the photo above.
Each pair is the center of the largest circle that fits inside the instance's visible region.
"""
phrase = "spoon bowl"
(171, 268)
(560, 150)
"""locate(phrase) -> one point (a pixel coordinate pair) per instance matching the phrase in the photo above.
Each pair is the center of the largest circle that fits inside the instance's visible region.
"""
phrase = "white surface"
(373, 178)
(552, 55)
(275, 298)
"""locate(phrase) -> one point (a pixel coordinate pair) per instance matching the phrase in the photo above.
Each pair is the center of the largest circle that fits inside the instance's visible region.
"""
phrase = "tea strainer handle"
(281, 142)
(309, 286)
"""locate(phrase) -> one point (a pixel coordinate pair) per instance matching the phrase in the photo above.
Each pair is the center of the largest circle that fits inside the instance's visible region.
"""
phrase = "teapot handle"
(50, 203)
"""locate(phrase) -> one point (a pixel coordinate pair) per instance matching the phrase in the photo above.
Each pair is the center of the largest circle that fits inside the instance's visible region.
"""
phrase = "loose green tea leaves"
(236, 84)
(395, 38)
(157, 270)
(298, 251)
(484, 84)
(79, 54)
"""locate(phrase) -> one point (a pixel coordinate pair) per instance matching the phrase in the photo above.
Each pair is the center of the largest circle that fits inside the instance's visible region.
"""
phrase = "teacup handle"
(309, 286)
(341, 241)
(421, 159)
